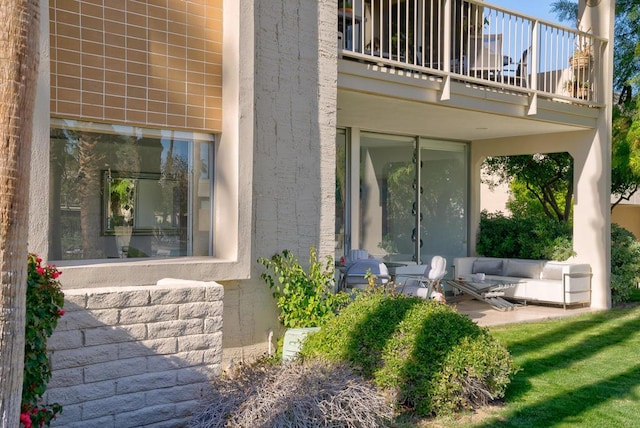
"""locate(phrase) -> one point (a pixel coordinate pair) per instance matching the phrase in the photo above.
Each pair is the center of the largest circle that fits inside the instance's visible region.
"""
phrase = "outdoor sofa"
(536, 281)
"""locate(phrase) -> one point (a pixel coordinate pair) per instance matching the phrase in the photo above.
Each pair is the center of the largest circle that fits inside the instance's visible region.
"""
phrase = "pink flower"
(61, 312)
(40, 270)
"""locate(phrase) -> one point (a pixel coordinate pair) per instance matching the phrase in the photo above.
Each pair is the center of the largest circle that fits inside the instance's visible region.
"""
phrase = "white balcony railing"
(476, 42)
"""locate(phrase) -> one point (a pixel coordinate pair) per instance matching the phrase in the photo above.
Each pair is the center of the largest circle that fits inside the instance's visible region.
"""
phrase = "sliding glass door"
(408, 201)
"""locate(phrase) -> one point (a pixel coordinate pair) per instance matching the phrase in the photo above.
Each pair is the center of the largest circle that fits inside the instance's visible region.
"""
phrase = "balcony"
(475, 43)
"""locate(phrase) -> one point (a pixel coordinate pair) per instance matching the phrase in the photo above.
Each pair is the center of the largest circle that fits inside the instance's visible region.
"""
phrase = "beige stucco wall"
(275, 166)
(627, 216)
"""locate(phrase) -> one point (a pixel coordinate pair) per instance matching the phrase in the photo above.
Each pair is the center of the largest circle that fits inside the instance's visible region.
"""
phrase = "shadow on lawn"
(563, 332)
(569, 405)
(572, 402)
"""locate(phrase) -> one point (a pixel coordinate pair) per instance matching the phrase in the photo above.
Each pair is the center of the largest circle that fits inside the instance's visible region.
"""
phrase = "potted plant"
(345, 7)
(581, 57)
(582, 90)
(578, 88)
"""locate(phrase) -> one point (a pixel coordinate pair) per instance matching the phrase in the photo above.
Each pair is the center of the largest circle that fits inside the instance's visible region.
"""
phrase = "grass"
(578, 371)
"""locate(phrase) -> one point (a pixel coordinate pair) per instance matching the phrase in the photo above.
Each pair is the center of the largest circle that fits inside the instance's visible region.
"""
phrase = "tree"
(625, 151)
(547, 177)
(19, 38)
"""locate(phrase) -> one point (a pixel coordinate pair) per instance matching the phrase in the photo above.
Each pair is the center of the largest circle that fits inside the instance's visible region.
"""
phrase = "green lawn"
(579, 371)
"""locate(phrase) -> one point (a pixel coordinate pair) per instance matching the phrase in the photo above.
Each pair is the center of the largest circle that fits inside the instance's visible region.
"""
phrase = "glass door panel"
(443, 201)
(387, 217)
(342, 195)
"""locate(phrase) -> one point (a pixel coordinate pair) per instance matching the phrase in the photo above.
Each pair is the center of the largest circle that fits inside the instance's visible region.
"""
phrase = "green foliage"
(523, 203)
(525, 238)
(305, 299)
(625, 263)
(433, 359)
(44, 307)
(547, 178)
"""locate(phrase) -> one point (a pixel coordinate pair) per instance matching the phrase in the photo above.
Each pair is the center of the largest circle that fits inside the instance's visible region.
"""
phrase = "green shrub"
(625, 263)
(44, 306)
(525, 238)
(304, 299)
(434, 360)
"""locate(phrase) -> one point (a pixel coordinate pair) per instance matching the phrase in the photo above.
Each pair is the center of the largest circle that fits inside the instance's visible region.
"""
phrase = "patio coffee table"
(490, 291)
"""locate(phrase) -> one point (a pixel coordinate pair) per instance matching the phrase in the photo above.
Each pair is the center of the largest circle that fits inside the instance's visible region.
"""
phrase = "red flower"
(25, 419)
(40, 270)
(61, 312)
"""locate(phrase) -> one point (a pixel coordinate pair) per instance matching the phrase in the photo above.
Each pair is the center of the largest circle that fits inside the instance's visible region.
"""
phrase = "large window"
(121, 192)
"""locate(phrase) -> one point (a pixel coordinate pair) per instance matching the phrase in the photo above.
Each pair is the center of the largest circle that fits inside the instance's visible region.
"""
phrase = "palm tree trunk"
(19, 38)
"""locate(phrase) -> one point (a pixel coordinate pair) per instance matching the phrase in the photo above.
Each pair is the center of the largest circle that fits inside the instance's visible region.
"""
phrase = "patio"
(484, 315)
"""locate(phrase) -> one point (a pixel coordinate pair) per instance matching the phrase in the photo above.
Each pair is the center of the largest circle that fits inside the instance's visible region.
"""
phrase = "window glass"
(122, 192)
(342, 194)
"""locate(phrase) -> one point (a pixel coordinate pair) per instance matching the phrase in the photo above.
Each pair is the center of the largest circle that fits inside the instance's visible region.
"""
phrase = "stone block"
(68, 358)
(213, 324)
(196, 310)
(198, 341)
(147, 347)
(198, 374)
(113, 298)
(115, 369)
(115, 334)
(66, 377)
(175, 328)
(66, 339)
(82, 319)
(176, 394)
(177, 295)
(146, 382)
(115, 405)
(145, 416)
(104, 422)
(82, 393)
(145, 314)
(177, 361)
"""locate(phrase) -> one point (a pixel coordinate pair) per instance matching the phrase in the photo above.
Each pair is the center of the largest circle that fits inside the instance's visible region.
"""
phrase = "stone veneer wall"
(135, 356)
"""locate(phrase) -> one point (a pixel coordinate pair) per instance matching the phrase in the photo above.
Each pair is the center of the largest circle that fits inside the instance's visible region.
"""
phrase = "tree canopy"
(548, 178)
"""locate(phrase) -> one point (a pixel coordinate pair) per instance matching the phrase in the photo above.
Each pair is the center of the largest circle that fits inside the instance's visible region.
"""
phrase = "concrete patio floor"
(485, 315)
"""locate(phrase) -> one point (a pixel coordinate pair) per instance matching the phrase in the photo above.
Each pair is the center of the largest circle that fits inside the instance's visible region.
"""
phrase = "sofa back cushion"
(487, 266)
(522, 269)
(552, 271)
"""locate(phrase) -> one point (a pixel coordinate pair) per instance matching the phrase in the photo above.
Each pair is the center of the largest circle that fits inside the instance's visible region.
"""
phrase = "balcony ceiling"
(437, 120)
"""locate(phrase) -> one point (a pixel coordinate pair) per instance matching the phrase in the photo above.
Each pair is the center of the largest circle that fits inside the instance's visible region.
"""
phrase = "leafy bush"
(625, 263)
(433, 360)
(44, 306)
(304, 299)
(525, 238)
(313, 394)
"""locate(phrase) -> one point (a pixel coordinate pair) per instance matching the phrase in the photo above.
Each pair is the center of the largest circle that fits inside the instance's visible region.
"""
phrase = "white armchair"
(422, 280)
